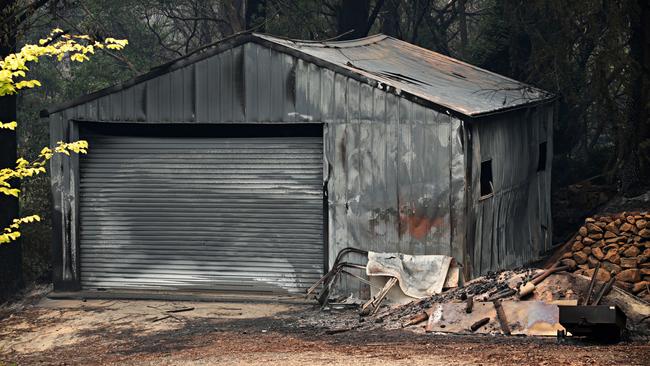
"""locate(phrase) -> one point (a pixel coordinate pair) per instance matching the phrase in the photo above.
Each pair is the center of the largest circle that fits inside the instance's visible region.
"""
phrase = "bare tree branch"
(23, 13)
(158, 37)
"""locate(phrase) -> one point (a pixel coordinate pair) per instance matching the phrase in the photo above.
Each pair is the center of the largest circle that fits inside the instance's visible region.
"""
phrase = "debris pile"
(619, 244)
(483, 306)
(491, 288)
(524, 301)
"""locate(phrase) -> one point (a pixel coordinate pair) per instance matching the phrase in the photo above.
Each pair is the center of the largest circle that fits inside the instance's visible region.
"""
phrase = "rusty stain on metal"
(418, 225)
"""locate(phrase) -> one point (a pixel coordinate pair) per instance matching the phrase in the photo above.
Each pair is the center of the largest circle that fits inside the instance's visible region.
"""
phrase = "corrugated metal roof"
(397, 66)
(442, 80)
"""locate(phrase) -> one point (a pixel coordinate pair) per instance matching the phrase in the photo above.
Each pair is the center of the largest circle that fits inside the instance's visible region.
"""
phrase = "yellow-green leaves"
(25, 169)
(115, 44)
(13, 77)
(9, 237)
(57, 45)
(79, 57)
(27, 84)
(79, 147)
(9, 125)
(8, 191)
(11, 233)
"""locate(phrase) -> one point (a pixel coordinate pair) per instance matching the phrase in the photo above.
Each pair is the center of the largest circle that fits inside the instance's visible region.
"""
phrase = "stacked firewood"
(621, 244)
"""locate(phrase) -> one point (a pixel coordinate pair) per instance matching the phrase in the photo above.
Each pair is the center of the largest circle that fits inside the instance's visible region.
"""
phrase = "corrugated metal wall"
(395, 170)
(513, 226)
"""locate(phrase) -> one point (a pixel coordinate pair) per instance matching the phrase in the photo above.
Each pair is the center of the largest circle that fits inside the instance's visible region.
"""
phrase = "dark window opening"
(541, 160)
(487, 187)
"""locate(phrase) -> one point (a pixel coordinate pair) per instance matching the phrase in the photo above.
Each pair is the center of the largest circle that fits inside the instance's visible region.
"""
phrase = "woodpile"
(621, 243)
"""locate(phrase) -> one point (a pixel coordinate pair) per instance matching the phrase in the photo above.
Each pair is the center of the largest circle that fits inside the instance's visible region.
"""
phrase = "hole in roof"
(401, 78)
(459, 75)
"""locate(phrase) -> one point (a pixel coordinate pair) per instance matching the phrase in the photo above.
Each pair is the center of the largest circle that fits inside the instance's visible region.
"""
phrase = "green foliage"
(577, 50)
(13, 77)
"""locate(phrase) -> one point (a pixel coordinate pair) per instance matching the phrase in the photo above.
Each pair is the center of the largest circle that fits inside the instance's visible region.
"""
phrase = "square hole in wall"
(541, 160)
(487, 187)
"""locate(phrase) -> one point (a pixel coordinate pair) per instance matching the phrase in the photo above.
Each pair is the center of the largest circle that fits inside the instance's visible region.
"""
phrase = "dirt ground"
(109, 332)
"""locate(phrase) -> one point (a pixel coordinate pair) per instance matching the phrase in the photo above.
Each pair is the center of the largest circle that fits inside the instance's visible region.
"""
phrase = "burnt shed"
(248, 164)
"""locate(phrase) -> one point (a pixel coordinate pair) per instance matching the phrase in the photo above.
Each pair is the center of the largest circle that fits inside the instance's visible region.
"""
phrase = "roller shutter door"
(187, 213)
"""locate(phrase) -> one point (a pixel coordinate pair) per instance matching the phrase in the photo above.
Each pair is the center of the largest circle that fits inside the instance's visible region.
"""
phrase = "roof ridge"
(371, 39)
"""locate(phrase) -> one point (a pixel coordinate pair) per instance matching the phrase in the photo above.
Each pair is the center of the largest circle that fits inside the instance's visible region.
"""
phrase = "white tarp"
(418, 276)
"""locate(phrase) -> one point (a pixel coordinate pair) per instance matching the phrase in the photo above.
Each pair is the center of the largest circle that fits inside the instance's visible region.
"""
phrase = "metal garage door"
(242, 214)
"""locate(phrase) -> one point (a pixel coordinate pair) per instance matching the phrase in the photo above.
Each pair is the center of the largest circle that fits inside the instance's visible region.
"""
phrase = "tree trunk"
(234, 12)
(390, 19)
(641, 32)
(352, 19)
(10, 254)
(355, 18)
(634, 145)
(256, 14)
(462, 25)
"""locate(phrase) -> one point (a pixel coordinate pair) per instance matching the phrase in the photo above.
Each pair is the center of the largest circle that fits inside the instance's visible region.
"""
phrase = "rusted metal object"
(323, 296)
(418, 318)
(338, 267)
(501, 294)
(332, 272)
(606, 287)
(469, 305)
(479, 324)
(591, 284)
(530, 318)
(501, 316)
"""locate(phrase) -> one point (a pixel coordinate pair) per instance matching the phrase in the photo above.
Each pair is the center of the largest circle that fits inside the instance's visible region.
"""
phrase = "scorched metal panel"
(243, 214)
